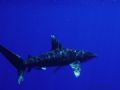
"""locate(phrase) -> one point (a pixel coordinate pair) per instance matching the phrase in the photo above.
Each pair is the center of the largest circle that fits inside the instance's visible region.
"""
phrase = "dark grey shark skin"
(57, 56)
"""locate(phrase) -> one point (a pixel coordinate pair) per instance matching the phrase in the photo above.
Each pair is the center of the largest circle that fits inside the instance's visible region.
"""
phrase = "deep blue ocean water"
(93, 25)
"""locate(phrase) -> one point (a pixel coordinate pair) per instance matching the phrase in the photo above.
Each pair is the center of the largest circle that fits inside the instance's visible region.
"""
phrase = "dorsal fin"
(55, 44)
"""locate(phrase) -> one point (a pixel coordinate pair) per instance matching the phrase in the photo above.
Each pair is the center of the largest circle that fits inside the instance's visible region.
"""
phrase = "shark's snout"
(86, 56)
(89, 55)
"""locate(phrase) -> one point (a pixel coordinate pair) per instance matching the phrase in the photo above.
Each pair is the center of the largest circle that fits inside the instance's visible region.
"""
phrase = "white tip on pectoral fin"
(20, 77)
(76, 68)
(77, 73)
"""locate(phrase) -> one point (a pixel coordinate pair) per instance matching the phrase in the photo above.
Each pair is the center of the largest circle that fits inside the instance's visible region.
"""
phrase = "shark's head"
(84, 56)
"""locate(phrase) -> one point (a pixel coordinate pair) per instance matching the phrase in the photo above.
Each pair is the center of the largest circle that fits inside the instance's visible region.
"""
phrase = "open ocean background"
(93, 25)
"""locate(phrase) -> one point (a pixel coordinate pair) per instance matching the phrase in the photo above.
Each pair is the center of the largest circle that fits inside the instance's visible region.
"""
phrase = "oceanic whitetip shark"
(56, 57)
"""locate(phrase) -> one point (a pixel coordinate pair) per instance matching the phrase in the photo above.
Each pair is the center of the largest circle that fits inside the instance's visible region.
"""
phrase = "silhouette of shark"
(58, 56)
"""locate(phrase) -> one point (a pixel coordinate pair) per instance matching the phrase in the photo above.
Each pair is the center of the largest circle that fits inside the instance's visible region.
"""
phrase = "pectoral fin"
(76, 68)
(20, 77)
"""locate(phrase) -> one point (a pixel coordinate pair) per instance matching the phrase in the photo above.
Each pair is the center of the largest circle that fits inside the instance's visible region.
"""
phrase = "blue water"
(93, 25)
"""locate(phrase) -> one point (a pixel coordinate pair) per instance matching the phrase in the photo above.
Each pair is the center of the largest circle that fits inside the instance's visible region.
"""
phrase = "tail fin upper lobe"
(15, 60)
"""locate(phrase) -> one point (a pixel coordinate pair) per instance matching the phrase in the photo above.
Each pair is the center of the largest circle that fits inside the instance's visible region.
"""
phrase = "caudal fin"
(15, 60)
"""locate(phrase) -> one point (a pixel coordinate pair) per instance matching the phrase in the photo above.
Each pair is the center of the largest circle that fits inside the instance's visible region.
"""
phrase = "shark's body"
(58, 56)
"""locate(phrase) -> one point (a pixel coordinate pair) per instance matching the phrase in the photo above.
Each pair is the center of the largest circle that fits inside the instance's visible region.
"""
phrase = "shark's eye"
(79, 53)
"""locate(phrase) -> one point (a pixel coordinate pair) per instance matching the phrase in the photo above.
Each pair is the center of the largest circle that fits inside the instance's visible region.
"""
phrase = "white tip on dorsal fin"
(54, 43)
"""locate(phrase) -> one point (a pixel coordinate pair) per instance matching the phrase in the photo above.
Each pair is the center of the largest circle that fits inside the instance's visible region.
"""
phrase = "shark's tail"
(15, 60)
